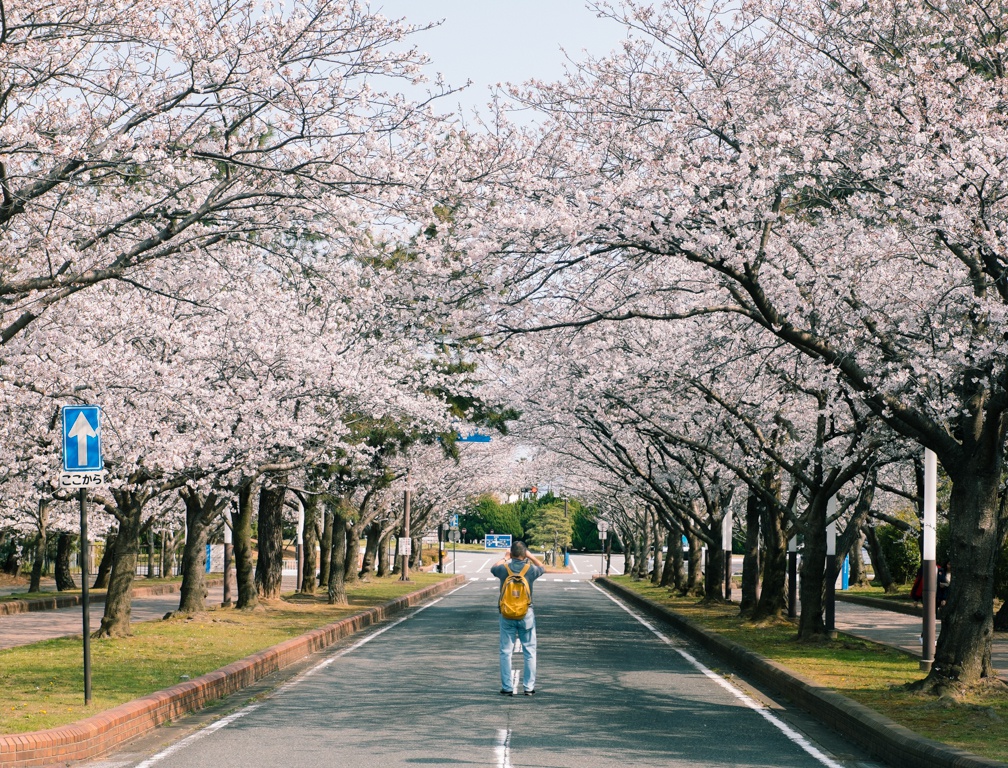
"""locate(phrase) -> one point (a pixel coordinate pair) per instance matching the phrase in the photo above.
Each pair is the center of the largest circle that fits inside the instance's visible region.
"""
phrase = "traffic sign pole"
(85, 602)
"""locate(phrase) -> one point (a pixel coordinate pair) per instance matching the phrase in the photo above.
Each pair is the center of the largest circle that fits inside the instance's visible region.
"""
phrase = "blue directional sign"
(82, 438)
(497, 541)
(475, 437)
(453, 521)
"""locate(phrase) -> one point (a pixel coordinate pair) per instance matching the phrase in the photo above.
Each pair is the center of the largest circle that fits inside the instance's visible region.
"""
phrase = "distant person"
(517, 619)
(917, 590)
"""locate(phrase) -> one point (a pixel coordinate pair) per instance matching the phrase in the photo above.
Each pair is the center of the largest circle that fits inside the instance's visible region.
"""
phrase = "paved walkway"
(902, 630)
(25, 628)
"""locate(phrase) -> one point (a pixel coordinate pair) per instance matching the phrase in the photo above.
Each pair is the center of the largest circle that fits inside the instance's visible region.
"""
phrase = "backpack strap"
(524, 570)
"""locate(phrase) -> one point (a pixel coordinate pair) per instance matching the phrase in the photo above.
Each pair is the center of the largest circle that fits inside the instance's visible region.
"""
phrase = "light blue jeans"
(524, 630)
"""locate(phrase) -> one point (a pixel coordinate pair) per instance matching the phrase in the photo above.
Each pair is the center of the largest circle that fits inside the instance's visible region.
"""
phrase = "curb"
(13, 607)
(96, 735)
(885, 739)
(884, 604)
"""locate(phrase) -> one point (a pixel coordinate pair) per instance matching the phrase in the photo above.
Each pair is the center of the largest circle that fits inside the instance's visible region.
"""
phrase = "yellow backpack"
(515, 595)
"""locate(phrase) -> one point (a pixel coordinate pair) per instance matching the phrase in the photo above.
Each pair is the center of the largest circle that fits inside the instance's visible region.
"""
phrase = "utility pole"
(406, 542)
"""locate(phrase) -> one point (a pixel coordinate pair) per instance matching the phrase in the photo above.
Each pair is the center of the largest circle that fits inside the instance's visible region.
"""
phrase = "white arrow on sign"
(82, 430)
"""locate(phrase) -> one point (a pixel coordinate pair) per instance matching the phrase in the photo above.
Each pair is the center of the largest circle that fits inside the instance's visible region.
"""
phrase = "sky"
(492, 41)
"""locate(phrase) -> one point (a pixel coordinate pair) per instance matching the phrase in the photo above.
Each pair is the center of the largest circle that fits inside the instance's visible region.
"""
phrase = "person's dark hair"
(518, 550)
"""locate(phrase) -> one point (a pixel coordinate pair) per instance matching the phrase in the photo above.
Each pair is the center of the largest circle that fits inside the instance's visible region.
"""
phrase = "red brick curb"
(885, 739)
(12, 607)
(100, 733)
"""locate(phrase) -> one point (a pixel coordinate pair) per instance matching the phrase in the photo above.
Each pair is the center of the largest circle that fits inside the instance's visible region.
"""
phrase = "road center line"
(503, 748)
(490, 560)
(793, 735)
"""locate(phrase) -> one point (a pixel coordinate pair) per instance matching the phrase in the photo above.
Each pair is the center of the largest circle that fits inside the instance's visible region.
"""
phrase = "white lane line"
(503, 748)
(198, 735)
(490, 560)
(224, 721)
(574, 566)
(793, 735)
(557, 579)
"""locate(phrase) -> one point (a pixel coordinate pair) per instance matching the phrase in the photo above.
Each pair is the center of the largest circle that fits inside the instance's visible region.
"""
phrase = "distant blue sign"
(497, 541)
(453, 521)
(82, 438)
(475, 437)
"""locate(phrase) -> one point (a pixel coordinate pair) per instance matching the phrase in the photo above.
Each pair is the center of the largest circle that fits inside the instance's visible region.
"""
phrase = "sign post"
(83, 468)
(603, 530)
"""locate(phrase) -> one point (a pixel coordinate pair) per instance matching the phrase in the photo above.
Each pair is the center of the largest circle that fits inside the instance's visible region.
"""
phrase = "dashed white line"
(793, 735)
(503, 748)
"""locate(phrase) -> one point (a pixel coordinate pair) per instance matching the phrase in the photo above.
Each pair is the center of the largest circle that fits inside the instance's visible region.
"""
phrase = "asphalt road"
(424, 690)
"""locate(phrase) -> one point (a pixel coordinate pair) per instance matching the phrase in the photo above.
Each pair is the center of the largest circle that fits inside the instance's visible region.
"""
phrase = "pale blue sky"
(490, 41)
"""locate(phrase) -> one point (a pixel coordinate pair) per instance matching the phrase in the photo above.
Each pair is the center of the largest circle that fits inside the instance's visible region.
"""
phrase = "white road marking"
(574, 566)
(557, 579)
(503, 748)
(225, 721)
(793, 735)
(489, 560)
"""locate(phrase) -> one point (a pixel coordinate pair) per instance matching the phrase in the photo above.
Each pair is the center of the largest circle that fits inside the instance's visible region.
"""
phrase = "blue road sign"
(475, 437)
(82, 438)
(453, 521)
(497, 541)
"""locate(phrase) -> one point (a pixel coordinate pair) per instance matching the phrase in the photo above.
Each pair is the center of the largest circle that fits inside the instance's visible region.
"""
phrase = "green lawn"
(43, 683)
(869, 673)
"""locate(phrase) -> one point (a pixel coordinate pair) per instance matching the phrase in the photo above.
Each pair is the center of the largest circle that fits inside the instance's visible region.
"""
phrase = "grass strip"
(43, 683)
(871, 674)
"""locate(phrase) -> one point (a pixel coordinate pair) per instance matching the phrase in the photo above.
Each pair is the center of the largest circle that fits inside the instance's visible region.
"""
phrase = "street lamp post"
(406, 541)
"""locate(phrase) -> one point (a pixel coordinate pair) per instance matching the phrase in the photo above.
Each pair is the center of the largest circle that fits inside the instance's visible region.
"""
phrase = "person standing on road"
(519, 561)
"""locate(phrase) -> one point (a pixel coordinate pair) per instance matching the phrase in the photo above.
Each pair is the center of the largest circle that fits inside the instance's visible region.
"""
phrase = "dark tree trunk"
(751, 557)
(372, 541)
(643, 550)
(64, 546)
(813, 570)
(118, 599)
(352, 565)
(850, 541)
(241, 533)
(715, 571)
(309, 544)
(1001, 618)
(883, 576)
(858, 576)
(269, 564)
(337, 569)
(384, 567)
(40, 546)
(672, 545)
(325, 544)
(694, 569)
(659, 560)
(963, 652)
(105, 566)
(773, 602)
(200, 514)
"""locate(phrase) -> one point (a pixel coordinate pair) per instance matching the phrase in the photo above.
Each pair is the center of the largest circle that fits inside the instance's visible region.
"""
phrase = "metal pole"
(300, 546)
(228, 555)
(831, 572)
(406, 532)
(929, 565)
(726, 547)
(792, 610)
(440, 549)
(85, 600)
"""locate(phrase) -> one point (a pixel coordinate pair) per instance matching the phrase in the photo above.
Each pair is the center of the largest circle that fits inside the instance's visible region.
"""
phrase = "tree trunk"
(813, 570)
(372, 541)
(40, 546)
(325, 545)
(64, 546)
(105, 566)
(269, 564)
(694, 570)
(337, 568)
(643, 550)
(656, 571)
(384, 567)
(353, 565)
(309, 544)
(672, 545)
(715, 572)
(241, 533)
(963, 652)
(858, 575)
(883, 576)
(119, 598)
(751, 557)
(200, 513)
(773, 602)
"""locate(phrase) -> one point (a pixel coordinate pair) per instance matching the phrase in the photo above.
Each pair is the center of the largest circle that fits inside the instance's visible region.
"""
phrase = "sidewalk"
(903, 631)
(25, 628)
